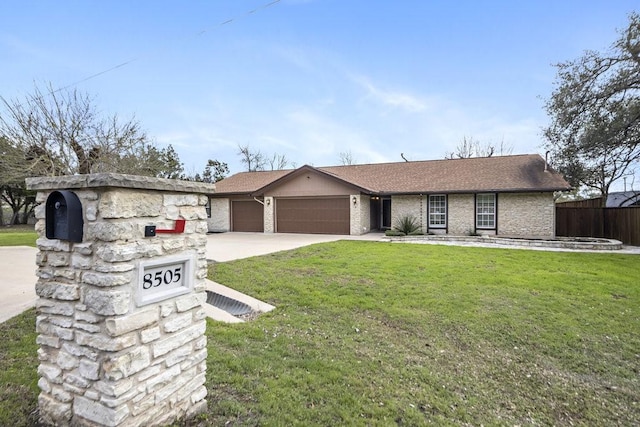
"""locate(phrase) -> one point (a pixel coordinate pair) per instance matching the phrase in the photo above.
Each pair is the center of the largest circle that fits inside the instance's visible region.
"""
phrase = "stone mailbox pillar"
(120, 318)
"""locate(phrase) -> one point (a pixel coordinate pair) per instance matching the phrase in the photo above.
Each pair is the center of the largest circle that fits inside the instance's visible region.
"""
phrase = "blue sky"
(309, 78)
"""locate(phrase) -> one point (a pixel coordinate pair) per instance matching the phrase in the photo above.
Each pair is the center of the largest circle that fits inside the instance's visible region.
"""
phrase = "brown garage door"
(247, 215)
(317, 216)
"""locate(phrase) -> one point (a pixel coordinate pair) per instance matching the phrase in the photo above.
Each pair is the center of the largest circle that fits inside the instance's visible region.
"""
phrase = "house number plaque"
(163, 278)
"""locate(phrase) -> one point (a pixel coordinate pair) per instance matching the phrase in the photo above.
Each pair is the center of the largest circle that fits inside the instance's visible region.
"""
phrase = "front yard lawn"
(369, 333)
(18, 235)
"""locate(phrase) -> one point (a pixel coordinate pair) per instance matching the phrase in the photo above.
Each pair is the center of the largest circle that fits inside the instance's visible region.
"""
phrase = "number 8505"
(161, 277)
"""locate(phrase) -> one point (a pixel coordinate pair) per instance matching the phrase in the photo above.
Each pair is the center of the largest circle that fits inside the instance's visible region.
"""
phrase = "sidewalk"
(18, 283)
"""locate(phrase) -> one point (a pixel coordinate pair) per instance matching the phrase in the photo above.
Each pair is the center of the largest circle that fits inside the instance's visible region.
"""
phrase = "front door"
(386, 213)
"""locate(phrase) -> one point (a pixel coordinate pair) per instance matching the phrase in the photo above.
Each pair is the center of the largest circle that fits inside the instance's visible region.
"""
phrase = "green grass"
(368, 333)
(18, 235)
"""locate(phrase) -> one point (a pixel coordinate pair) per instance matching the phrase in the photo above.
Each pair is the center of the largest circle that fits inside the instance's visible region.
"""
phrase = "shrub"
(394, 233)
(407, 224)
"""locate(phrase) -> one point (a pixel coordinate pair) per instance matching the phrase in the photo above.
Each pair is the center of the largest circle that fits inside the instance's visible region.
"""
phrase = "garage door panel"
(247, 216)
(313, 216)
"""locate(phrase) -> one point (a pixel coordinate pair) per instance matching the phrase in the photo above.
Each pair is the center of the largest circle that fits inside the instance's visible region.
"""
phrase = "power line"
(198, 34)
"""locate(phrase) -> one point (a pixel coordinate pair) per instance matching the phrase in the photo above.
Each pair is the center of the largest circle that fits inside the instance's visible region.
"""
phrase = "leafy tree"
(215, 171)
(64, 134)
(594, 134)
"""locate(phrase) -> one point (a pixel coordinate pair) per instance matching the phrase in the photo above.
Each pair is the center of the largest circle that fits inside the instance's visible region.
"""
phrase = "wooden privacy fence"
(612, 223)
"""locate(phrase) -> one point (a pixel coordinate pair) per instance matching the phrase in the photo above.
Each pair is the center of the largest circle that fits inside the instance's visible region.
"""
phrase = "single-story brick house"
(505, 195)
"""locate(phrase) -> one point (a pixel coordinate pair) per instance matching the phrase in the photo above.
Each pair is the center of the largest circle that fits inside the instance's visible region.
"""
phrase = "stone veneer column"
(108, 358)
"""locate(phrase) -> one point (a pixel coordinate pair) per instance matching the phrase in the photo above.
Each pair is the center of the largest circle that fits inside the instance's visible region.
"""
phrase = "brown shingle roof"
(520, 173)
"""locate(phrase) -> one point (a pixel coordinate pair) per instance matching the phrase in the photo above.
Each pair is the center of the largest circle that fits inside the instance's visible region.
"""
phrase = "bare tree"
(253, 160)
(468, 148)
(62, 134)
(278, 162)
(346, 158)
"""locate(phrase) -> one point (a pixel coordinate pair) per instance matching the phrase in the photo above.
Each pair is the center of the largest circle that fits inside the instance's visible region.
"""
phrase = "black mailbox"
(63, 216)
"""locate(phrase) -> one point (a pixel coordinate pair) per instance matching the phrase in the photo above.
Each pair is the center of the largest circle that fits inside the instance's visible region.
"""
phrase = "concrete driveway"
(18, 263)
(229, 246)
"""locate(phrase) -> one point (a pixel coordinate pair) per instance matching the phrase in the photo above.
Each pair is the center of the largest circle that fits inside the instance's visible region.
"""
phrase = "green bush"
(394, 233)
(407, 224)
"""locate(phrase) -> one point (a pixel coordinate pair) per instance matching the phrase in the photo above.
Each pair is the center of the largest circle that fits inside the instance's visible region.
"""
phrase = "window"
(437, 211)
(485, 211)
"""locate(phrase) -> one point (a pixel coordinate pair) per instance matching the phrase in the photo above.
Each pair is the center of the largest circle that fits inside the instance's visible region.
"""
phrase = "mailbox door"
(63, 216)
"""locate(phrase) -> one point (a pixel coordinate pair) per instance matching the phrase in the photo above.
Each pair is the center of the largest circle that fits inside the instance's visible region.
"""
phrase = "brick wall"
(526, 214)
(219, 221)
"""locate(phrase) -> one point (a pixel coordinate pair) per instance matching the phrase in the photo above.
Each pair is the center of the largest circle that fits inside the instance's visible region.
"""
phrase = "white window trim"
(429, 213)
(492, 214)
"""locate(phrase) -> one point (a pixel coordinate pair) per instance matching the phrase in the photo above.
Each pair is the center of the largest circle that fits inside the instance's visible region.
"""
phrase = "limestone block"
(191, 387)
(171, 212)
(59, 291)
(89, 369)
(87, 327)
(61, 395)
(188, 302)
(48, 341)
(92, 394)
(104, 280)
(98, 413)
(84, 248)
(150, 334)
(62, 321)
(73, 389)
(143, 405)
(129, 204)
(87, 316)
(58, 259)
(148, 373)
(118, 267)
(191, 213)
(80, 351)
(90, 211)
(178, 356)
(172, 245)
(44, 385)
(181, 200)
(114, 388)
(52, 411)
(45, 244)
(81, 262)
(199, 394)
(194, 359)
(40, 211)
(52, 373)
(178, 322)
(164, 377)
(66, 361)
(50, 306)
(104, 342)
(127, 364)
(112, 402)
(141, 319)
(108, 302)
(110, 231)
(178, 339)
(171, 388)
(41, 259)
(118, 253)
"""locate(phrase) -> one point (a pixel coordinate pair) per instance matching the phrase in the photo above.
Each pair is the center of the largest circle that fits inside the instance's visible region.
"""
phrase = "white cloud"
(396, 99)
